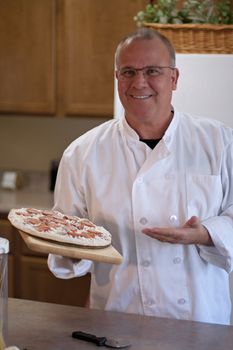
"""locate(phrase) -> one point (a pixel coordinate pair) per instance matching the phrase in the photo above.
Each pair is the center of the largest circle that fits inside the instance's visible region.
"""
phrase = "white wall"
(205, 86)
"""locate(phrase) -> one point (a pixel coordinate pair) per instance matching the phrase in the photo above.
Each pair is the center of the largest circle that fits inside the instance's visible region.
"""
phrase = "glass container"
(4, 250)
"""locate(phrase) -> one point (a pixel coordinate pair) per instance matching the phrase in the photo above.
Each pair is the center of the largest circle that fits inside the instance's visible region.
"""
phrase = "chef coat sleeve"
(69, 199)
(67, 268)
(220, 227)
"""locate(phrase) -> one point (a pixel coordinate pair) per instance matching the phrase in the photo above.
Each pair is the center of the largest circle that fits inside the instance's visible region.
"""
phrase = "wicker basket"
(198, 38)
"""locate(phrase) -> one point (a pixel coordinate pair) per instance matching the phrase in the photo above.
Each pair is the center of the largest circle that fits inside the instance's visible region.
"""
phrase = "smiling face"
(145, 95)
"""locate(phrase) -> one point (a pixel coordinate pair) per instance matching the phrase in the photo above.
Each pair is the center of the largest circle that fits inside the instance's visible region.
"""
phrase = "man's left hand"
(193, 232)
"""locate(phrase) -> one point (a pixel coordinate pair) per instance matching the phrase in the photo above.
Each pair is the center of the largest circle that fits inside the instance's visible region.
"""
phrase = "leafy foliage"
(192, 11)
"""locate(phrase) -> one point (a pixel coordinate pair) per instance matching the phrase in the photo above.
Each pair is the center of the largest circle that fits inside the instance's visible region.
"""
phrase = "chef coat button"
(176, 260)
(143, 221)
(145, 263)
(181, 301)
(173, 220)
(140, 180)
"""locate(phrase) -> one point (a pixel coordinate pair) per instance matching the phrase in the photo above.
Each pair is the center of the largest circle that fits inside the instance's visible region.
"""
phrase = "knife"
(101, 341)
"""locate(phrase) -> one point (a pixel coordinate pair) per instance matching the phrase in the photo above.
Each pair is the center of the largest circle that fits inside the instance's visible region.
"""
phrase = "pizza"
(55, 226)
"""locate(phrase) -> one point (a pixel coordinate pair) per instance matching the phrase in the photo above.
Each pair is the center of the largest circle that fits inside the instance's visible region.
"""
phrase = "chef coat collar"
(127, 131)
(131, 135)
(170, 132)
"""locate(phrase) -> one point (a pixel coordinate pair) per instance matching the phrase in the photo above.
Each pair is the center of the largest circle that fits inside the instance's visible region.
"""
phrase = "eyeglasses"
(150, 72)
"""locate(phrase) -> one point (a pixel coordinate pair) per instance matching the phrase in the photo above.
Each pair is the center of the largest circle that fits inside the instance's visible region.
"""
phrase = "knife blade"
(101, 341)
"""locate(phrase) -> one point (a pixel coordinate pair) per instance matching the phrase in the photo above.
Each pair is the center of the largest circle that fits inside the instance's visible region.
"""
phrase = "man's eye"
(153, 71)
(128, 73)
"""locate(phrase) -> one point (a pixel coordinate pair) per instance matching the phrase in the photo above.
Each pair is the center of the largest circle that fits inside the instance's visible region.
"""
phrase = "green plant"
(192, 11)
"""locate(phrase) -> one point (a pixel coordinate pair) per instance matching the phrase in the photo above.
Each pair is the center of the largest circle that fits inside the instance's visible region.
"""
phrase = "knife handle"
(100, 341)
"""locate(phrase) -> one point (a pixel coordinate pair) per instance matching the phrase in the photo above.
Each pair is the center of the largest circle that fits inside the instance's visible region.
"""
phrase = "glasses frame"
(158, 71)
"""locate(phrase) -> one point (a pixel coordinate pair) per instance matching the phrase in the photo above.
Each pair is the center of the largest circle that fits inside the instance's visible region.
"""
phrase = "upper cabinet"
(57, 56)
(27, 56)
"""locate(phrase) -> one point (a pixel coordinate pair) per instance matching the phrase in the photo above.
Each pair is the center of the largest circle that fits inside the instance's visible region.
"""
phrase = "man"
(162, 183)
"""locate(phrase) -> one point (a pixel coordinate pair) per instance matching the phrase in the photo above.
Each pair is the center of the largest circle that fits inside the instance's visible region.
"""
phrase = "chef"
(161, 182)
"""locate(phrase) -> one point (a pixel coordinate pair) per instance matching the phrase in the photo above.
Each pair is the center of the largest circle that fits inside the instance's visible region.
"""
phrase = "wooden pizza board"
(107, 255)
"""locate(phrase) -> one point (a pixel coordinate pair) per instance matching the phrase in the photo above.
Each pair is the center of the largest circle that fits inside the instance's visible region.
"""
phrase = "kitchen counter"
(34, 193)
(36, 326)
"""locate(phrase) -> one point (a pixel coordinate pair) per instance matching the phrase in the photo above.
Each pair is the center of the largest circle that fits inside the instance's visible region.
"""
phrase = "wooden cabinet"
(57, 56)
(92, 32)
(27, 58)
(30, 278)
(37, 283)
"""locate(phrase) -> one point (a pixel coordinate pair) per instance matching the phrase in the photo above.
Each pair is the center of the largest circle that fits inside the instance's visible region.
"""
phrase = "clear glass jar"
(4, 250)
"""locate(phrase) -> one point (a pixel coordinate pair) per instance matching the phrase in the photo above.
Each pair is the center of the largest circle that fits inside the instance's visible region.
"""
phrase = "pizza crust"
(55, 226)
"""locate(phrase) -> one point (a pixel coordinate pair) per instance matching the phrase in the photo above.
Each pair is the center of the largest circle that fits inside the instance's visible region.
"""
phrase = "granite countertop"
(34, 193)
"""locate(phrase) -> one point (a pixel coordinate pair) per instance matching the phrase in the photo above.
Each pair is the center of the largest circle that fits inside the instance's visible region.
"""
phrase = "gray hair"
(146, 34)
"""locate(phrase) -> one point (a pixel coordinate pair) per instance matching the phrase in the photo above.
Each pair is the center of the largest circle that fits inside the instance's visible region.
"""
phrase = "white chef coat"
(117, 181)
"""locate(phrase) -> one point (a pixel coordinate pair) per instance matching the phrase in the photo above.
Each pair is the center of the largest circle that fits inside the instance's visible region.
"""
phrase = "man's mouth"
(141, 97)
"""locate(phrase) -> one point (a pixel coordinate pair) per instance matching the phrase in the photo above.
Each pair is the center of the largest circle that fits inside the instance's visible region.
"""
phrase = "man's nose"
(140, 78)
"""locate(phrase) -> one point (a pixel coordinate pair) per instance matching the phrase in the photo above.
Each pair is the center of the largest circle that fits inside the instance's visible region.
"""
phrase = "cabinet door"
(91, 31)
(27, 57)
(36, 282)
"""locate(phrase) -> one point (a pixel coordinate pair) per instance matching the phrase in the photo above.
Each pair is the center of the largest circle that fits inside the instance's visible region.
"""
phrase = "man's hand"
(193, 232)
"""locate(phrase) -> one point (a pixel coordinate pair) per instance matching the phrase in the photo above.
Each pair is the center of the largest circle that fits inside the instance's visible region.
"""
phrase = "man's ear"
(175, 77)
